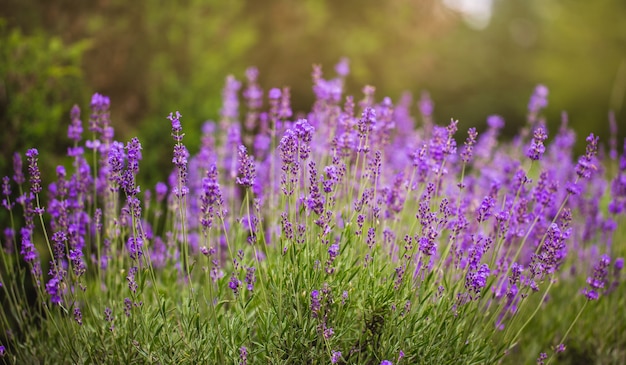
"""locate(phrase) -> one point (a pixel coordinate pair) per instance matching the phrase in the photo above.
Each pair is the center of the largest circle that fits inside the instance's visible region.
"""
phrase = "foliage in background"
(146, 54)
(40, 75)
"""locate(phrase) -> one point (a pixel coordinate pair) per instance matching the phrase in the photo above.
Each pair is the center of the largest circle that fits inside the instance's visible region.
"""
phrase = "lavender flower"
(315, 303)
(78, 316)
(116, 160)
(253, 93)
(132, 282)
(230, 106)
(476, 280)
(246, 171)
(33, 171)
(176, 126)
(426, 105)
(542, 358)
(335, 357)
(6, 191)
(536, 149)
(342, 68)
(284, 111)
(586, 162)
(99, 119)
(28, 251)
(386, 362)
(75, 130)
(234, 284)
(333, 250)
(161, 190)
(243, 355)
(598, 279)
(468, 150)
(108, 316)
(250, 278)
(53, 289)
(128, 306)
(538, 100)
(181, 156)
(304, 132)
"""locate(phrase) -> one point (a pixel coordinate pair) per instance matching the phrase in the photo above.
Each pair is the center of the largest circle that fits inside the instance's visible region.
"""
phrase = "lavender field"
(363, 231)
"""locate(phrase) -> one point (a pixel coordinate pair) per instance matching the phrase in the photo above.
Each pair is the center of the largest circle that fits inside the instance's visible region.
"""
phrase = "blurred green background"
(475, 57)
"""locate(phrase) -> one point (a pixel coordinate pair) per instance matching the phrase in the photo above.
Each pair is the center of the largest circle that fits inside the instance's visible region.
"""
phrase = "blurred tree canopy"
(152, 56)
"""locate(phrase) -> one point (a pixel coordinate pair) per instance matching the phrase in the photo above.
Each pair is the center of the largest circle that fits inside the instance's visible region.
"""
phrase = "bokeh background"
(474, 57)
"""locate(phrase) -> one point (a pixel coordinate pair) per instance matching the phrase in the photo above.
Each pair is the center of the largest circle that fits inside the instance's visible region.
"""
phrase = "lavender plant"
(348, 234)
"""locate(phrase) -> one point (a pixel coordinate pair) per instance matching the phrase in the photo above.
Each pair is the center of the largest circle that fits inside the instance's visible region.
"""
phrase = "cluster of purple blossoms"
(246, 171)
(538, 100)
(451, 233)
(33, 171)
(599, 278)
(536, 149)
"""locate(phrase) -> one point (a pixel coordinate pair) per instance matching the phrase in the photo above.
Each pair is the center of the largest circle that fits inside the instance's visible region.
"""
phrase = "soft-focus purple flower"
(284, 110)
(342, 68)
(243, 355)
(328, 332)
(586, 162)
(9, 236)
(542, 358)
(598, 279)
(99, 118)
(560, 348)
(128, 306)
(253, 93)
(386, 362)
(134, 245)
(326, 90)
(274, 94)
(486, 209)
(426, 105)
(53, 289)
(234, 284)
(131, 279)
(538, 100)
(250, 278)
(333, 250)
(6, 191)
(315, 303)
(108, 316)
(3, 351)
(75, 130)
(28, 251)
(161, 191)
(366, 123)
(78, 316)
(18, 172)
(335, 357)
(476, 280)
(495, 122)
(536, 149)
(230, 101)
(468, 149)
